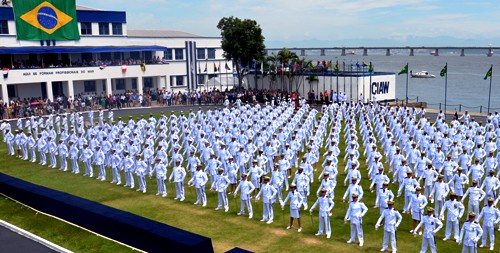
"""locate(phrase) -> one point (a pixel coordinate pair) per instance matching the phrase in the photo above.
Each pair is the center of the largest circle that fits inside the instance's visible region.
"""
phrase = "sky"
(326, 22)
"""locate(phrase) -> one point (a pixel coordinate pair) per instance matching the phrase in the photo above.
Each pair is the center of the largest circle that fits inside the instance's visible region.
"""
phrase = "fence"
(440, 106)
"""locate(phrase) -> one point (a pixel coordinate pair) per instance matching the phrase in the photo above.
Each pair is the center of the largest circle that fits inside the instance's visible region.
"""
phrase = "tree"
(242, 42)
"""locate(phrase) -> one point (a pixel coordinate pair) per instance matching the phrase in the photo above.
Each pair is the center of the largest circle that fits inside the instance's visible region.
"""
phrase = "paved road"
(13, 242)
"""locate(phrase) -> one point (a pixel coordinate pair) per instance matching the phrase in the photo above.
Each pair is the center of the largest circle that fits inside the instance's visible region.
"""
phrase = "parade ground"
(226, 229)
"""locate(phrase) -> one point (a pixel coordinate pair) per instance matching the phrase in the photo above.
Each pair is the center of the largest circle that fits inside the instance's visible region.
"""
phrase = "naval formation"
(275, 152)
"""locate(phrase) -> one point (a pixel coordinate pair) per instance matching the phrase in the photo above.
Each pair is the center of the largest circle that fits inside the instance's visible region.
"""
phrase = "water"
(466, 84)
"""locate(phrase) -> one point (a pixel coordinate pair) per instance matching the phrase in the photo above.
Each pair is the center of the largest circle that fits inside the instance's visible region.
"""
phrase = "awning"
(69, 50)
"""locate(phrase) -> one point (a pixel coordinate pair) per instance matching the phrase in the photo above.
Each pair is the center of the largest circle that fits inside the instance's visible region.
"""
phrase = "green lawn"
(227, 230)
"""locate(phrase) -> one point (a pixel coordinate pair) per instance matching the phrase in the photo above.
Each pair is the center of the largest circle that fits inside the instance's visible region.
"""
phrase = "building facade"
(108, 59)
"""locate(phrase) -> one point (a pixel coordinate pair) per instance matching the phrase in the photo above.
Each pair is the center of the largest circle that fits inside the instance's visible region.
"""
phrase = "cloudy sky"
(348, 22)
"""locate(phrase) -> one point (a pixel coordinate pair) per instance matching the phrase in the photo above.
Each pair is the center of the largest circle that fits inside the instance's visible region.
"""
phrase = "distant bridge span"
(345, 50)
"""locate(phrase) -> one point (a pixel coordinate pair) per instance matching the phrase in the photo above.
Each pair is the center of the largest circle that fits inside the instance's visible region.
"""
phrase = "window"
(148, 56)
(89, 86)
(200, 53)
(118, 55)
(167, 54)
(135, 55)
(211, 53)
(120, 84)
(105, 56)
(4, 27)
(201, 79)
(86, 28)
(179, 54)
(177, 80)
(148, 82)
(117, 28)
(103, 28)
(134, 83)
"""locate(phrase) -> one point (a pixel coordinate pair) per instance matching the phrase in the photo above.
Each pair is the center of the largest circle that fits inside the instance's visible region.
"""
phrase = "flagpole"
(227, 78)
(324, 80)
(445, 89)
(337, 73)
(220, 78)
(343, 74)
(234, 79)
(370, 83)
(489, 94)
(407, 77)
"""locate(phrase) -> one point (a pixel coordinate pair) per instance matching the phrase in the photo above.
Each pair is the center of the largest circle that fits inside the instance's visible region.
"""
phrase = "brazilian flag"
(46, 19)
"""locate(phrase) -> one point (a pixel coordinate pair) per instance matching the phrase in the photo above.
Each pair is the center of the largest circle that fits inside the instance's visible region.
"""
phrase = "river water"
(467, 89)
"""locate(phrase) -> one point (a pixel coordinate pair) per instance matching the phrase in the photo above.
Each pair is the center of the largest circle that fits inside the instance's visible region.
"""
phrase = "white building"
(106, 60)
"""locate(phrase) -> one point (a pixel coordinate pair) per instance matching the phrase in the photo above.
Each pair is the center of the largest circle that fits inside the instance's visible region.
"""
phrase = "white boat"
(421, 74)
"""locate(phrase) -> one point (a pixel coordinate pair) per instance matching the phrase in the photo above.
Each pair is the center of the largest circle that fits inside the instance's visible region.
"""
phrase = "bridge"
(489, 51)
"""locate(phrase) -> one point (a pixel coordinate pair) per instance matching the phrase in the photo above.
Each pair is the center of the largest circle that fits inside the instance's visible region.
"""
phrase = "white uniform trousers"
(53, 161)
(438, 205)
(428, 243)
(389, 236)
(43, 158)
(469, 249)
(324, 224)
(129, 179)
(268, 213)
(116, 175)
(222, 200)
(179, 190)
(427, 191)
(356, 229)
(88, 168)
(33, 154)
(452, 225)
(102, 172)
(473, 206)
(142, 182)
(488, 230)
(246, 203)
(162, 189)
(74, 164)
(201, 196)
(63, 162)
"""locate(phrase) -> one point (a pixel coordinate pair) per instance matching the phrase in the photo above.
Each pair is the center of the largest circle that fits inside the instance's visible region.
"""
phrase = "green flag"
(404, 70)
(370, 67)
(444, 71)
(336, 67)
(489, 73)
(46, 20)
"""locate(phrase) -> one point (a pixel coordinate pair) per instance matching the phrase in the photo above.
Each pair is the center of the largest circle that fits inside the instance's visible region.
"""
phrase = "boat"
(421, 74)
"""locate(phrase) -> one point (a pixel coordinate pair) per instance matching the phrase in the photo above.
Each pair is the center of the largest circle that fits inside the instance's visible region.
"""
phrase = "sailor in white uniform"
(392, 220)
(470, 234)
(325, 207)
(429, 222)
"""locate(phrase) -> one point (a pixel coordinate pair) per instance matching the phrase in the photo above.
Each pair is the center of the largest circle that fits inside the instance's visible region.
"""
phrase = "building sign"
(46, 72)
(380, 88)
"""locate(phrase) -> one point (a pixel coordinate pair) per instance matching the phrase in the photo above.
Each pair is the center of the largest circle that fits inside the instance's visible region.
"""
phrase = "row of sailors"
(353, 215)
(304, 189)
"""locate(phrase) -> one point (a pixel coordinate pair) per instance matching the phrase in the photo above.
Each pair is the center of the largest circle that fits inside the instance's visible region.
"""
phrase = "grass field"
(227, 230)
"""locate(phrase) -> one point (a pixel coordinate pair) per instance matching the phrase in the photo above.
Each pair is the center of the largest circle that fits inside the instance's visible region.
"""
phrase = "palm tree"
(286, 58)
(303, 67)
(271, 63)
